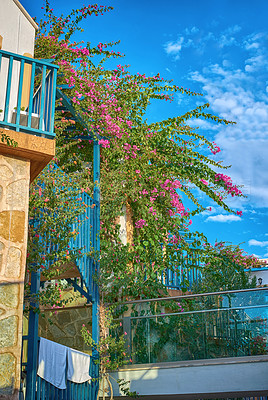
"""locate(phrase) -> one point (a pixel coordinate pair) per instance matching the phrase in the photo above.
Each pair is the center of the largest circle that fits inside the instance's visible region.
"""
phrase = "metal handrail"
(192, 295)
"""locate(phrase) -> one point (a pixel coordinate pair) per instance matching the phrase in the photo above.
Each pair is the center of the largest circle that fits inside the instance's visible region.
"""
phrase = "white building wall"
(18, 32)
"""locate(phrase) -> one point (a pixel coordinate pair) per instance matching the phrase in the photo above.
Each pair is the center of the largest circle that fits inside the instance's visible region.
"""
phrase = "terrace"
(198, 346)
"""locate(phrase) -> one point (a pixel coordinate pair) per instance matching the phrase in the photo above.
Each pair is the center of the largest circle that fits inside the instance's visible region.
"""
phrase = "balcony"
(27, 107)
(198, 346)
(27, 97)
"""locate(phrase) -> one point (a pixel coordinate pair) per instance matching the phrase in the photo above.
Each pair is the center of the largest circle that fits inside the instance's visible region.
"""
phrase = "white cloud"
(223, 218)
(254, 242)
(256, 62)
(174, 48)
(209, 210)
(236, 92)
(233, 94)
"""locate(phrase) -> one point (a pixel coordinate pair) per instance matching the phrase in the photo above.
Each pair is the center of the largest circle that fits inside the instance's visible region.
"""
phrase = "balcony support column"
(14, 194)
(18, 167)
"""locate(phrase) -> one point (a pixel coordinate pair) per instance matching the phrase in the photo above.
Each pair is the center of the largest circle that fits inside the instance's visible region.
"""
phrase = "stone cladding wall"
(14, 199)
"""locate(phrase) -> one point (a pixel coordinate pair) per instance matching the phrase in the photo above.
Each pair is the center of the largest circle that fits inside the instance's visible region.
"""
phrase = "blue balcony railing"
(27, 94)
(193, 327)
(186, 274)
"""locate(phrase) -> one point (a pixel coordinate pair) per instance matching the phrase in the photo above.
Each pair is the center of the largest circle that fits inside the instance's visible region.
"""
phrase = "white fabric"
(52, 363)
(78, 366)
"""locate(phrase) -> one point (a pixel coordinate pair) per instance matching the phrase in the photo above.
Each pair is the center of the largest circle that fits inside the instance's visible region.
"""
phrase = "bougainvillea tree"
(144, 166)
(226, 267)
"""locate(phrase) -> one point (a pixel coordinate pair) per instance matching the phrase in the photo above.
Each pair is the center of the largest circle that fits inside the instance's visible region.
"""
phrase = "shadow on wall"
(7, 388)
(64, 327)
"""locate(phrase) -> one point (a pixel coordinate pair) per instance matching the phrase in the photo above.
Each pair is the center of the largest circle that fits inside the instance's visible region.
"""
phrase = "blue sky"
(219, 48)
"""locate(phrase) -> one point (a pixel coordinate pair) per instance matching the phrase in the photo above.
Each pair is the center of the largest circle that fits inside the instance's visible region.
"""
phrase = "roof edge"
(26, 14)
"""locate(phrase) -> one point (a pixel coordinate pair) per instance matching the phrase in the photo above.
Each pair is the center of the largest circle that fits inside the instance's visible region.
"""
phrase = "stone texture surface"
(13, 265)
(66, 327)
(14, 187)
(9, 295)
(7, 374)
(17, 194)
(5, 172)
(12, 225)
(8, 331)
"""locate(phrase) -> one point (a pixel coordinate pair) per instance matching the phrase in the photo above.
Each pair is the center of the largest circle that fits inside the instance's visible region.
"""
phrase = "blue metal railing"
(74, 391)
(186, 274)
(38, 116)
(85, 241)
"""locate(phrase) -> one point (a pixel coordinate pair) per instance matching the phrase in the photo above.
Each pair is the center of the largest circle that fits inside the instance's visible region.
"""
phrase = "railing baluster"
(53, 97)
(30, 109)
(41, 115)
(19, 95)
(9, 78)
(47, 103)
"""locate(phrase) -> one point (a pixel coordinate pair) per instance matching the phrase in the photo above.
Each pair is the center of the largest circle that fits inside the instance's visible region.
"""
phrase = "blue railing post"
(96, 246)
(32, 339)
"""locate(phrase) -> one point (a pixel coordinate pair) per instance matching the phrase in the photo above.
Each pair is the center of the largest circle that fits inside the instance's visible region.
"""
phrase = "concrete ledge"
(218, 378)
(197, 363)
(38, 150)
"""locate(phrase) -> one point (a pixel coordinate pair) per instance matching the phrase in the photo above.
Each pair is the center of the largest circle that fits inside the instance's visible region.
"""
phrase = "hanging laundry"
(78, 366)
(52, 363)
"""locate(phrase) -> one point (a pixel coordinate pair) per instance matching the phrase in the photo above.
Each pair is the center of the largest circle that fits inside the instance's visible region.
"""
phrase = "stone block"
(5, 173)
(55, 331)
(9, 295)
(17, 194)
(19, 167)
(12, 225)
(1, 192)
(84, 313)
(8, 331)
(7, 374)
(63, 318)
(70, 330)
(13, 266)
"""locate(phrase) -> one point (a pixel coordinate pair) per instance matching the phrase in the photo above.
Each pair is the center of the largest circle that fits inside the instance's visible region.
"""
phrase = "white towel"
(52, 363)
(78, 366)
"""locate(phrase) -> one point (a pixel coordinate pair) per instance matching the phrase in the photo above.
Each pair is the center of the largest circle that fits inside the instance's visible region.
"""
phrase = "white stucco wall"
(18, 32)
(188, 380)
(263, 274)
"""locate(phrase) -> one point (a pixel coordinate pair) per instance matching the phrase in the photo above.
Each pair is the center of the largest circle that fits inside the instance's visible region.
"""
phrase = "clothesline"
(58, 363)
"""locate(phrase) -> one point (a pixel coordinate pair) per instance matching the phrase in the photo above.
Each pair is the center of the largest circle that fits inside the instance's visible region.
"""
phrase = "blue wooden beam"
(96, 244)
(32, 338)
(79, 289)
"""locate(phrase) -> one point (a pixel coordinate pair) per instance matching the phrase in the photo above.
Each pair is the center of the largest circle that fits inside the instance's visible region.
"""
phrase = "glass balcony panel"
(228, 324)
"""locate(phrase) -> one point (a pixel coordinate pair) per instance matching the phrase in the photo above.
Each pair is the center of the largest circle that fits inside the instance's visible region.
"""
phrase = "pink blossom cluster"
(104, 143)
(131, 150)
(141, 223)
(231, 189)
(215, 149)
